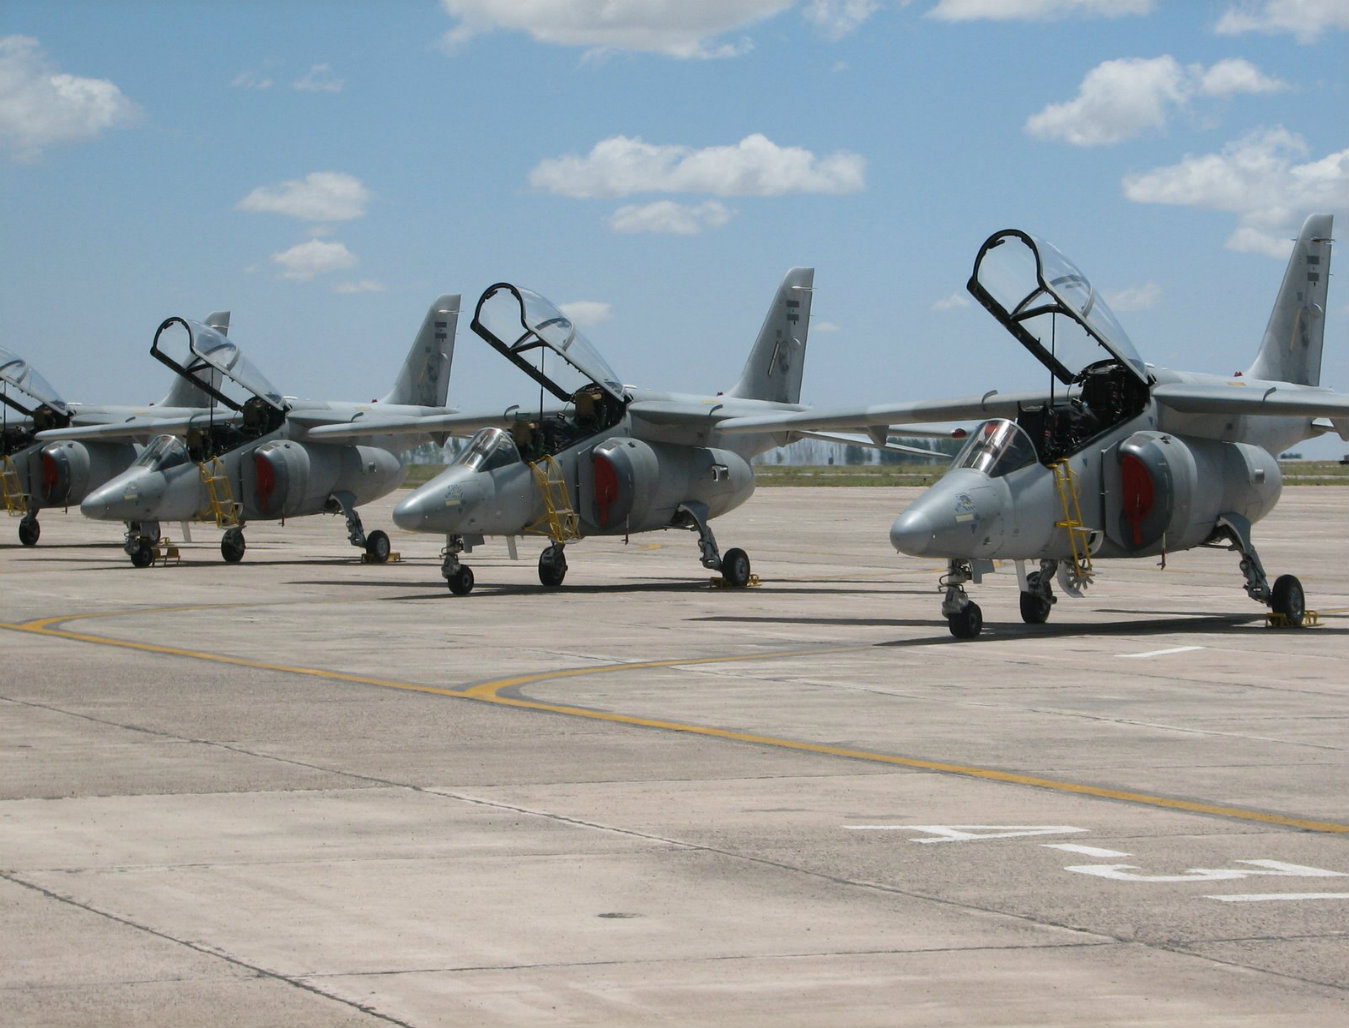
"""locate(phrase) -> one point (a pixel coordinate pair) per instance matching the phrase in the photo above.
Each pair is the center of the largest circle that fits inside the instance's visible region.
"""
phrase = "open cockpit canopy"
(16, 374)
(543, 342)
(214, 362)
(1051, 308)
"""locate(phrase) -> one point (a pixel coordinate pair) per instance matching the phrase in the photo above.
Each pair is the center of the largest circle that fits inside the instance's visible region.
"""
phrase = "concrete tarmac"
(302, 790)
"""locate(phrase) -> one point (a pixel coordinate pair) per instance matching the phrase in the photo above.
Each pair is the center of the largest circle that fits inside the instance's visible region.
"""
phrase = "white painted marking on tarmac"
(1276, 868)
(1257, 897)
(1158, 653)
(969, 833)
(1089, 851)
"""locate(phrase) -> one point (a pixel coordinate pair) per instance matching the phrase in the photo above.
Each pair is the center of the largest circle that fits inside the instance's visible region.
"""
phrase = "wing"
(880, 417)
(143, 428)
(1270, 398)
(463, 423)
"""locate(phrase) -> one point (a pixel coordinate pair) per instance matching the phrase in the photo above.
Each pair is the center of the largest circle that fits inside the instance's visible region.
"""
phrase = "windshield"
(491, 448)
(1049, 306)
(164, 452)
(996, 448)
(16, 371)
(542, 341)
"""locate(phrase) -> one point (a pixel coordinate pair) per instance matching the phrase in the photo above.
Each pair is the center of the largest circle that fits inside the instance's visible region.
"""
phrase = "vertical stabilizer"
(184, 393)
(425, 377)
(773, 371)
(1291, 348)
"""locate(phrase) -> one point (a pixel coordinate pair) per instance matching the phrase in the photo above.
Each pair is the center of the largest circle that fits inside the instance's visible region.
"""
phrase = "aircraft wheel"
(1288, 599)
(232, 546)
(967, 623)
(552, 566)
(735, 568)
(1034, 608)
(29, 530)
(142, 553)
(377, 546)
(460, 580)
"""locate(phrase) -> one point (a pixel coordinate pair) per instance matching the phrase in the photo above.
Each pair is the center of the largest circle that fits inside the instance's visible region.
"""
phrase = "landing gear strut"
(376, 544)
(458, 577)
(963, 615)
(734, 566)
(139, 545)
(1038, 597)
(1286, 599)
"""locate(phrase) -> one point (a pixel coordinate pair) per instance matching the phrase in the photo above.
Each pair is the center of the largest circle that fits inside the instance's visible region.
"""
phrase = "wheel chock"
(164, 551)
(718, 582)
(393, 558)
(1310, 619)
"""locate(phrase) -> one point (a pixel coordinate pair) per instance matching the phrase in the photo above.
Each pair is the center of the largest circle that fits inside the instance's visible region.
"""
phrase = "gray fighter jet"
(35, 473)
(250, 456)
(606, 458)
(1119, 458)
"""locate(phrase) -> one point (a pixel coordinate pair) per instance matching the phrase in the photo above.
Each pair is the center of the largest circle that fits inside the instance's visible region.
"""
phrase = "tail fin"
(1291, 348)
(773, 371)
(184, 393)
(425, 377)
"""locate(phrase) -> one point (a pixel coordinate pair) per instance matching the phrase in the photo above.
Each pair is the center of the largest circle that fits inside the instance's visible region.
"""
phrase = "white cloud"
(1124, 98)
(675, 28)
(319, 79)
(252, 79)
(1036, 10)
(954, 302)
(838, 18)
(826, 327)
(666, 216)
(756, 166)
(585, 313)
(319, 196)
(1259, 179)
(1135, 298)
(1305, 20)
(313, 258)
(41, 107)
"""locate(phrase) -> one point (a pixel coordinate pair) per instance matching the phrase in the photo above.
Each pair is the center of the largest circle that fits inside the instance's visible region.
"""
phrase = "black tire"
(142, 553)
(735, 568)
(552, 567)
(232, 546)
(1034, 608)
(460, 580)
(377, 547)
(968, 623)
(29, 530)
(1288, 599)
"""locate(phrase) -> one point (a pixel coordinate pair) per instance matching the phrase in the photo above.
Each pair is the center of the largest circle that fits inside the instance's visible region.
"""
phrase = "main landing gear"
(733, 565)
(1286, 601)
(376, 544)
(29, 529)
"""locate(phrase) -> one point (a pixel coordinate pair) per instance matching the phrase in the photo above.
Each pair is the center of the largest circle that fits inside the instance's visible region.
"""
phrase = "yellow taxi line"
(491, 692)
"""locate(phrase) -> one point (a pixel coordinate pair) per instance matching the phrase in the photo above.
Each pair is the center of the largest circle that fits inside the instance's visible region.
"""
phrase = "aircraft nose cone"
(913, 532)
(125, 498)
(444, 504)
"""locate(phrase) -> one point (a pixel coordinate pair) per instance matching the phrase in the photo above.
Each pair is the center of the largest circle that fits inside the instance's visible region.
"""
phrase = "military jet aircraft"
(250, 456)
(607, 458)
(1119, 458)
(34, 473)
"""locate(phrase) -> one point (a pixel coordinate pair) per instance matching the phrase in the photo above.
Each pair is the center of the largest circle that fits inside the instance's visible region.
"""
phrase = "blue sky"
(325, 170)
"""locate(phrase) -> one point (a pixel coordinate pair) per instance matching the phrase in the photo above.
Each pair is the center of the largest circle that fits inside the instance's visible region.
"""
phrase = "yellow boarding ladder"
(219, 497)
(11, 489)
(1078, 535)
(559, 521)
